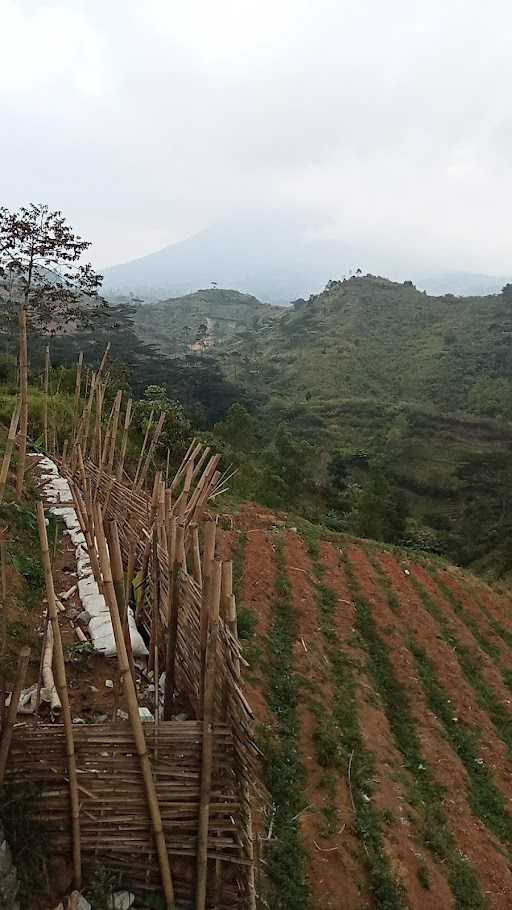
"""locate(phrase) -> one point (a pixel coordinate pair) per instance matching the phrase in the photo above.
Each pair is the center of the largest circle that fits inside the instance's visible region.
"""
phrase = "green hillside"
(201, 321)
(414, 387)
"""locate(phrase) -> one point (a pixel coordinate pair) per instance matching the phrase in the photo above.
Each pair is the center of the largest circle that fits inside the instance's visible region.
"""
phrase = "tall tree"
(40, 264)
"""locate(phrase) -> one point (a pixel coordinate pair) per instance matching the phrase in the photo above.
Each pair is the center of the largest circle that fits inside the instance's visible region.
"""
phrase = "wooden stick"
(5, 745)
(124, 443)
(45, 396)
(23, 376)
(210, 529)
(172, 627)
(227, 588)
(62, 689)
(152, 447)
(9, 446)
(78, 389)
(196, 556)
(133, 712)
(207, 745)
(143, 449)
(113, 432)
(3, 560)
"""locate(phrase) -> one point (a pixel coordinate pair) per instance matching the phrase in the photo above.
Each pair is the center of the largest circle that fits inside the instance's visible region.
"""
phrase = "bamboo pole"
(113, 432)
(172, 626)
(9, 446)
(143, 449)
(23, 377)
(207, 745)
(227, 587)
(196, 556)
(124, 443)
(152, 447)
(96, 452)
(78, 389)
(5, 745)
(3, 569)
(210, 529)
(133, 712)
(62, 689)
(45, 396)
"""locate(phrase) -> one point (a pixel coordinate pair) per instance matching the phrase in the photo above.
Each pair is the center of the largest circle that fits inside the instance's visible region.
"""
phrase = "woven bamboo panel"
(114, 820)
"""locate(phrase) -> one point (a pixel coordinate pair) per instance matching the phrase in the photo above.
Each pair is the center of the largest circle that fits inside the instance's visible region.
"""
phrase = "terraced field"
(383, 689)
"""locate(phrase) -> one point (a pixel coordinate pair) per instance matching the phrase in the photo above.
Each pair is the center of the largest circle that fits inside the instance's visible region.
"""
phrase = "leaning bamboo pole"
(78, 389)
(152, 447)
(124, 442)
(113, 431)
(3, 570)
(143, 449)
(45, 396)
(23, 378)
(207, 745)
(5, 745)
(62, 689)
(133, 712)
(9, 446)
(173, 609)
(210, 529)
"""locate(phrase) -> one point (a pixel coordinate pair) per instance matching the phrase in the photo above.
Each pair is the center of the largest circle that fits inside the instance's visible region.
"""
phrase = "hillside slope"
(201, 321)
(383, 688)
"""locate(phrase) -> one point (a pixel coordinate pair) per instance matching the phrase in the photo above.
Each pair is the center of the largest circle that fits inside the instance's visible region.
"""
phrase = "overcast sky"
(386, 121)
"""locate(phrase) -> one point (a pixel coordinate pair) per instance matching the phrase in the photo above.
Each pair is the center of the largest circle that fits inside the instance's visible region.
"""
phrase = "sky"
(383, 122)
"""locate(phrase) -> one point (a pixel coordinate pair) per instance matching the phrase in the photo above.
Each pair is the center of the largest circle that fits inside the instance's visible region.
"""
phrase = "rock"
(181, 716)
(71, 613)
(84, 618)
(78, 902)
(121, 715)
(121, 900)
(5, 858)
(109, 684)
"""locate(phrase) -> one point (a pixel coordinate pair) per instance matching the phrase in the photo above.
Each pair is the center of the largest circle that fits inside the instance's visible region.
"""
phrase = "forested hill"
(201, 321)
(374, 339)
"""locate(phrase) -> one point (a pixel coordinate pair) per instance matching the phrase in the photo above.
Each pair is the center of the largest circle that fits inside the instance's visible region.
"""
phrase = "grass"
(424, 793)
(284, 774)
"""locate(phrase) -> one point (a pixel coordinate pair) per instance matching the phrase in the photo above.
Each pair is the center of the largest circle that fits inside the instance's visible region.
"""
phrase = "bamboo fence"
(165, 803)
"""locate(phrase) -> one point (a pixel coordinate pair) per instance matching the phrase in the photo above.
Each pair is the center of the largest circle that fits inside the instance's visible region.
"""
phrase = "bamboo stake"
(78, 389)
(45, 396)
(133, 712)
(97, 447)
(207, 745)
(5, 745)
(62, 689)
(3, 560)
(124, 443)
(9, 446)
(172, 626)
(113, 433)
(152, 447)
(210, 529)
(196, 556)
(23, 376)
(227, 588)
(143, 449)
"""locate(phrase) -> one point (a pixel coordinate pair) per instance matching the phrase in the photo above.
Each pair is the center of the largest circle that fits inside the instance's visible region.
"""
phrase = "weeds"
(283, 771)
(469, 662)
(351, 754)
(424, 793)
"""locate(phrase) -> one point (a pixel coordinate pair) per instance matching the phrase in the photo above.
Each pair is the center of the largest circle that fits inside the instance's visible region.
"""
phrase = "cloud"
(386, 123)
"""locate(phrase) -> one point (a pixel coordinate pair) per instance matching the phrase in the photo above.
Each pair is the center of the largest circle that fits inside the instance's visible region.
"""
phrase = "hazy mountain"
(277, 260)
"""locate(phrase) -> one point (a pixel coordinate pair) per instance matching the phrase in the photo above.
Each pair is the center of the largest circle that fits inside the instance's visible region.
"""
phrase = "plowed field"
(383, 690)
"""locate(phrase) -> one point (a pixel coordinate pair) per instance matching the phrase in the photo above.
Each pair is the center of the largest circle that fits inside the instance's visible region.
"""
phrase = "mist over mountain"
(277, 260)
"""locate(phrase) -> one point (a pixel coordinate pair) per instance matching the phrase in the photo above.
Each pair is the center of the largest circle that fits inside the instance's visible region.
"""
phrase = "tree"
(39, 258)
(176, 432)
(238, 428)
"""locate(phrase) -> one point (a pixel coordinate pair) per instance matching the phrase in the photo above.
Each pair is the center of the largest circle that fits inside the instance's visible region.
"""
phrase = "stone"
(78, 902)
(122, 715)
(109, 684)
(121, 900)
(84, 618)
